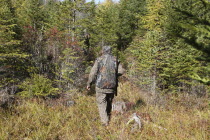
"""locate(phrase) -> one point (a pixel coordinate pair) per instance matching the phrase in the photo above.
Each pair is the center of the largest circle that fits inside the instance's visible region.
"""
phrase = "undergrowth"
(33, 119)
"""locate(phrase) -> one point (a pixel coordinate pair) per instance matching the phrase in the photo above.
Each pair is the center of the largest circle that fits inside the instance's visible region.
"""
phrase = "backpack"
(107, 70)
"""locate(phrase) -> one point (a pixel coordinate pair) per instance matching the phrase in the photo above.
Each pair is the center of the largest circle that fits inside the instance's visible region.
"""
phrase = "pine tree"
(11, 54)
(192, 20)
(33, 19)
(163, 61)
(66, 40)
(107, 24)
(129, 23)
(150, 49)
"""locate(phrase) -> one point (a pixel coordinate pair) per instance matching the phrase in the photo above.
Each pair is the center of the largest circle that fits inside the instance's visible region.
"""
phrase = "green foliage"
(129, 23)
(150, 49)
(66, 68)
(106, 24)
(193, 20)
(32, 13)
(11, 55)
(164, 43)
(164, 63)
(37, 86)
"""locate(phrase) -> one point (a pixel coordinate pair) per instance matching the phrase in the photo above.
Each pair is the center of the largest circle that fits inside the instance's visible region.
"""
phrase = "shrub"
(37, 86)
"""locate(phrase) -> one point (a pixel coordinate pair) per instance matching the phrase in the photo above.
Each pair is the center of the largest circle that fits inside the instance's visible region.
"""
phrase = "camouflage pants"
(104, 102)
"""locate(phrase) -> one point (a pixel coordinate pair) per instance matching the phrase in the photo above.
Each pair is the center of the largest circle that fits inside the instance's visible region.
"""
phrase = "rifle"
(117, 64)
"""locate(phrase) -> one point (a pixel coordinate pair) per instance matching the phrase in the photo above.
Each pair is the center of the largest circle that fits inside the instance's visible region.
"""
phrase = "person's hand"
(88, 87)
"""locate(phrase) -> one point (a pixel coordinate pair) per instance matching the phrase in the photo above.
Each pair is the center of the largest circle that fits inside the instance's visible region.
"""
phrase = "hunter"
(104, 73)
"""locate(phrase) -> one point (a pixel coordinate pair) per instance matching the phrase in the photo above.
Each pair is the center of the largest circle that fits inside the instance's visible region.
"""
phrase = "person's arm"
(92, 75)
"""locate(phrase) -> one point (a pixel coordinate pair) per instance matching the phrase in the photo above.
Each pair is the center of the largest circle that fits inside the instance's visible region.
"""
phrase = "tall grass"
(35, 120)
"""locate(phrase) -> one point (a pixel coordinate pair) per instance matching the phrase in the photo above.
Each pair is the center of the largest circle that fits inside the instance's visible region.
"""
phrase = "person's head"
(106, 50)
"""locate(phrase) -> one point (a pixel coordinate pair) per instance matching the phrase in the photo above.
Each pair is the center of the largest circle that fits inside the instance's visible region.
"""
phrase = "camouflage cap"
(106, 50)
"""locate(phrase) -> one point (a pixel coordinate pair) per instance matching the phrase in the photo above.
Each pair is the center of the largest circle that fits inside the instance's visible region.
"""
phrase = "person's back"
(107, 72)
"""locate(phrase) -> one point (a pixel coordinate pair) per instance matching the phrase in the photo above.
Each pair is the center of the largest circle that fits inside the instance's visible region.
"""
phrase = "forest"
(47, 48)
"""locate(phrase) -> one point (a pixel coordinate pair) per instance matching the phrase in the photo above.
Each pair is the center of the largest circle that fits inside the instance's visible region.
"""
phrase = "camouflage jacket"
(93, 76)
